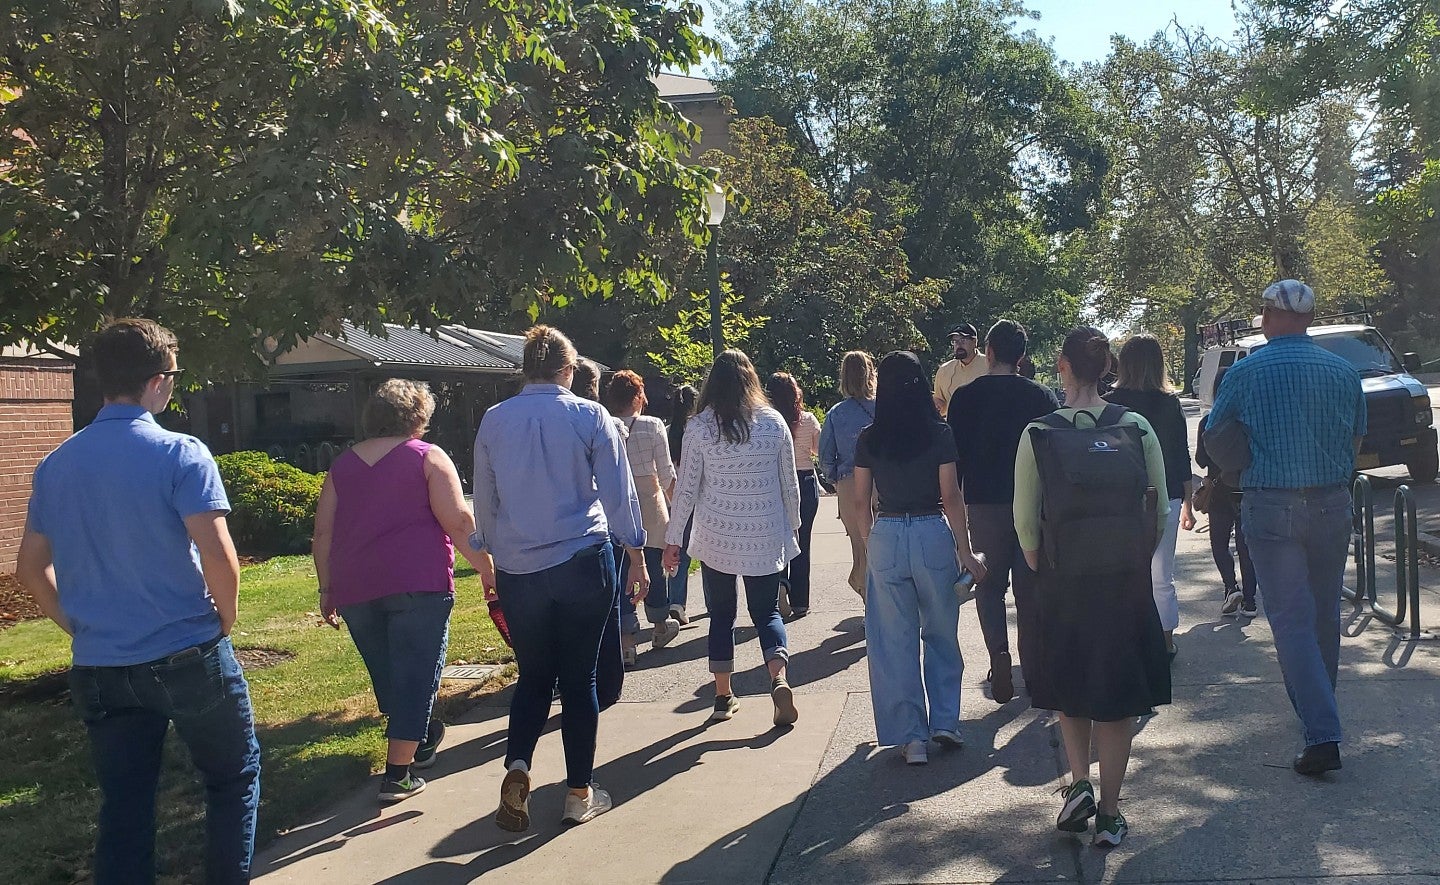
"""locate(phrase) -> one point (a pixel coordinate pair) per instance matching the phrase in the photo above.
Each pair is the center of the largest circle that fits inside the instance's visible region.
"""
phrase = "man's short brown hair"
(130, 351)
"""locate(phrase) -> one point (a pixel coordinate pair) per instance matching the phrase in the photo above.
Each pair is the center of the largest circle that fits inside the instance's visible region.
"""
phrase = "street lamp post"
(714, 214)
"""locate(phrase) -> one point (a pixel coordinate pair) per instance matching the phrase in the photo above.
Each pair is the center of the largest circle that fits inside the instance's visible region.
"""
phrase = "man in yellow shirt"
(967, 365)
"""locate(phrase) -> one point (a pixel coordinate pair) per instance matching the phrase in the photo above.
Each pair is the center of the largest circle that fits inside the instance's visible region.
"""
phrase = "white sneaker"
(947, 738)
(678, 613)
(915, 753)
(579, 809)
(664, 632)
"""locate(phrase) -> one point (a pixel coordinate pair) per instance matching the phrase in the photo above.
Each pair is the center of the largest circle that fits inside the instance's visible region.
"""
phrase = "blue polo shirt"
(112, 502)
(1303, 407)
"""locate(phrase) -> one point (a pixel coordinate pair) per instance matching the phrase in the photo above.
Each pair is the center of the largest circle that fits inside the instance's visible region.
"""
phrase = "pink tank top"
(387, 539)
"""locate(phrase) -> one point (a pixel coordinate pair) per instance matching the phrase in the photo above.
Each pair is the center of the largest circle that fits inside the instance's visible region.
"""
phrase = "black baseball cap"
(964, 330)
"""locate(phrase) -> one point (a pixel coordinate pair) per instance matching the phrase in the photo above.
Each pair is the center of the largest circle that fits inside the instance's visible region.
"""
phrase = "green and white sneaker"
(1109, 831)
(1078, 809)
(396, 791)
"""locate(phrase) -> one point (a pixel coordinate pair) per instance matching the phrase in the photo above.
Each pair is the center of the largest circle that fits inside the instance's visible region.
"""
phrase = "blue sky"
(1081, 29)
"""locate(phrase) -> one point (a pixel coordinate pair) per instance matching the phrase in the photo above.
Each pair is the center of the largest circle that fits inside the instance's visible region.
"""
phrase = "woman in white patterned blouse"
(737, 476)
(648, 449)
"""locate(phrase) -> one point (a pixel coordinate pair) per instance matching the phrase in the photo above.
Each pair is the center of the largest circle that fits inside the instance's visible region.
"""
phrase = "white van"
(1400, 423)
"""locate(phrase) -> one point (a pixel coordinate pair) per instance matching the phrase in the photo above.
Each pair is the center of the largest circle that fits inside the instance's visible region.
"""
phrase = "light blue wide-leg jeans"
(912, 618)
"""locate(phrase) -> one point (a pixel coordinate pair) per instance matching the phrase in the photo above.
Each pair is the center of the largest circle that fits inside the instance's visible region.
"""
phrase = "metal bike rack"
(1407, 561)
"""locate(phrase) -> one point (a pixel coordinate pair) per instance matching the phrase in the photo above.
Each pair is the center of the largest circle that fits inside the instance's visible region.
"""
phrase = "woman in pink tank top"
(385, 562)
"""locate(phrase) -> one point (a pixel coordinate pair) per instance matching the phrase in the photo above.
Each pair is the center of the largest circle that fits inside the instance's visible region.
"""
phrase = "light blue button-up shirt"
(1303, 407)
(551, 478)
(112, 502)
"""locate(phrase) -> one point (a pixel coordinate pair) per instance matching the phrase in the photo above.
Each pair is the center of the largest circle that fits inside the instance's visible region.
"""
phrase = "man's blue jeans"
(402, 639)
(910, 606)
(127, 711)
(1299, 540)
(557, 618)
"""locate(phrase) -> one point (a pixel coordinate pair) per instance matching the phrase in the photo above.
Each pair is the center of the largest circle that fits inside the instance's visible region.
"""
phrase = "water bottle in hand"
(966, 585)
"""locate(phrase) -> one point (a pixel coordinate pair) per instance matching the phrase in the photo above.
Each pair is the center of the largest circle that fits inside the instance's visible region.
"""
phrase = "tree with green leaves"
(824, 279)
(941, 119)
(256, 170)
(1214, 194)
(1389, 52)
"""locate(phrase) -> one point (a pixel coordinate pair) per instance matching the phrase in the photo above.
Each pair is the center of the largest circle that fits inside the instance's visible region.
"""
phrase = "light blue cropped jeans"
(912, 618)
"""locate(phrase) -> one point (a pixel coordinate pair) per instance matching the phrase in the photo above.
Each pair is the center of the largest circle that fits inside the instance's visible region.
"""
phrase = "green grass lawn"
(319, 730)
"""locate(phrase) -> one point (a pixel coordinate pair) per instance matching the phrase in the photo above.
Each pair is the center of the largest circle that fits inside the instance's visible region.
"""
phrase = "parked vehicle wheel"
(325, 456)
(1424, 468)
(303, 457)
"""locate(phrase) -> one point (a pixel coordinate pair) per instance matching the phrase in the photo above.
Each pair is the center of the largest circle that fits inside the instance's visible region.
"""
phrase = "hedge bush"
(272, 503)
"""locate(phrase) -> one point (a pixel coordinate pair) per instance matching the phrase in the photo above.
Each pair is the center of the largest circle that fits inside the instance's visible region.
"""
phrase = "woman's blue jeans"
(557, 618)
(912, 616)
(402, 639)
(762, 599)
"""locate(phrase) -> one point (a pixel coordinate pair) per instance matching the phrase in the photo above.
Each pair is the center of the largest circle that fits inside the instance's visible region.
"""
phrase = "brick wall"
(35, 397)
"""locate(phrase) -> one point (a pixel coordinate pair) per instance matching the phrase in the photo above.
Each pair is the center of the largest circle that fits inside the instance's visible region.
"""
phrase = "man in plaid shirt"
(1304, 411)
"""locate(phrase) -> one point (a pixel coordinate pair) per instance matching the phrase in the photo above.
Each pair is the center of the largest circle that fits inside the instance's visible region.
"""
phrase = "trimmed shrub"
(272, 503)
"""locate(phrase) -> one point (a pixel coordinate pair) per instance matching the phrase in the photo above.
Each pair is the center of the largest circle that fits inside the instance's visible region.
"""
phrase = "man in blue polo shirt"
(1304, 411)
(127, 549)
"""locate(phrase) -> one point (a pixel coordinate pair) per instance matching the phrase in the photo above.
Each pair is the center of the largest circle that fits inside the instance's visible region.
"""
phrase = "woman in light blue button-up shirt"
(843, 424)
(552, 483)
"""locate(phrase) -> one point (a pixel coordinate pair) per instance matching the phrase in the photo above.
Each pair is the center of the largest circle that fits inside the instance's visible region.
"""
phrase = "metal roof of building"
(416, 347)
(450, 348)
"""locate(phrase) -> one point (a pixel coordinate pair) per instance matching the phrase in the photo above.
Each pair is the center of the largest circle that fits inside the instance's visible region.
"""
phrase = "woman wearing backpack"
(917, 547)
(1082, 479)
(1141, 386)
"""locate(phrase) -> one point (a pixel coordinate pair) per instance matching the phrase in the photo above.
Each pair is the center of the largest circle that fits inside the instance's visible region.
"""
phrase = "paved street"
(1210, 797)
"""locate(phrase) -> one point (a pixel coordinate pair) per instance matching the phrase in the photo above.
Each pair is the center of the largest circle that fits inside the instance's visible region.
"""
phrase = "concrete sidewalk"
(1210, 796)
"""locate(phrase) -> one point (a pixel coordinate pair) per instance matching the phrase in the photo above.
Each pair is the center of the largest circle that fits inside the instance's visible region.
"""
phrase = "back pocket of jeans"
(1268, 522)
(194, 683)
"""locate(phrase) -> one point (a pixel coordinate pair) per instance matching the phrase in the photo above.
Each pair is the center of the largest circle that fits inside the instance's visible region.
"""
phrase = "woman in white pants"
(1143, 386)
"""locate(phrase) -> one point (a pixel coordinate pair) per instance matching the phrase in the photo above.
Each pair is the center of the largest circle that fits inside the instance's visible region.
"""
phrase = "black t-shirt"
(1164, 413)
(987, 417)
(909, 486)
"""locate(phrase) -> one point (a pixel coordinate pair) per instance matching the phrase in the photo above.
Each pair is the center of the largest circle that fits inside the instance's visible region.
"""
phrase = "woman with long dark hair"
(1142, 386)
(682, 407)
(1103, 659)
(737, 477)
(917, 546)
(789, 401)
(552, 484)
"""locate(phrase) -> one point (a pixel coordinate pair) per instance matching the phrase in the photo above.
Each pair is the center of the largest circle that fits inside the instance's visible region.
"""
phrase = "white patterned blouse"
(745, 496)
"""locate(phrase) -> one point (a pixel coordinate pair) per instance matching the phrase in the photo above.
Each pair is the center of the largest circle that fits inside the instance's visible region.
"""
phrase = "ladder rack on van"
(1230, 331)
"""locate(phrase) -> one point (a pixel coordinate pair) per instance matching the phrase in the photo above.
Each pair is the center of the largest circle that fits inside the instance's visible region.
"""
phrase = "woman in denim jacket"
(843, 424)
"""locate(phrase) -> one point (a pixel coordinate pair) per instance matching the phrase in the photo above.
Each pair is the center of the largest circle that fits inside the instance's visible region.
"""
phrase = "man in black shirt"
(987, 417)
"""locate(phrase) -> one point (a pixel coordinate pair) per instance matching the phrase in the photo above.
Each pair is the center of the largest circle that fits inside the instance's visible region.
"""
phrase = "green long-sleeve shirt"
(1027, 475)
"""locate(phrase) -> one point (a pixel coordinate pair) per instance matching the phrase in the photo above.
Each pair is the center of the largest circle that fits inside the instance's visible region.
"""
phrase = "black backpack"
(1095, 514)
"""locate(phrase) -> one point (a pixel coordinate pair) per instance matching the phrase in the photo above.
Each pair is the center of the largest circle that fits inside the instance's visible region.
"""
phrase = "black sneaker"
(1248, 609)
(425, 753)
(395, 791)
(1231, 606)
(1002, 679)
(1318, 759)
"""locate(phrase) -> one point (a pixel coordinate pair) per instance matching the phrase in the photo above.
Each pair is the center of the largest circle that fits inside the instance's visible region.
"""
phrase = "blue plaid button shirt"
(1303, 407)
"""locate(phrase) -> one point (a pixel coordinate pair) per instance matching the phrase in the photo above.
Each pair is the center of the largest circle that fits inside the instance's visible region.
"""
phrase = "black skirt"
(1102, 650)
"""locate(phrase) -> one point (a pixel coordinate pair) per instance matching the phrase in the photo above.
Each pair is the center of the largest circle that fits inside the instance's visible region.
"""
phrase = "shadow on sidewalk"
(629, 776)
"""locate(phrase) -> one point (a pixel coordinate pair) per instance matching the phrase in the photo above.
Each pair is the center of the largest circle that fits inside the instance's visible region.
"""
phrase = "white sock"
(519, 765)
